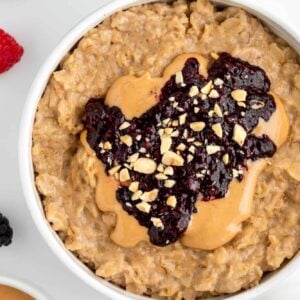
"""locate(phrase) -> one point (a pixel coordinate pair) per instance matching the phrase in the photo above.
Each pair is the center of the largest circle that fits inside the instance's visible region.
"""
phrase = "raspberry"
(10, 51)
(6, 231)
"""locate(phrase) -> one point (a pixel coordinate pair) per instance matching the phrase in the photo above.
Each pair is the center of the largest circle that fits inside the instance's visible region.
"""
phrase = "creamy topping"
(10, 293)
(213, 118)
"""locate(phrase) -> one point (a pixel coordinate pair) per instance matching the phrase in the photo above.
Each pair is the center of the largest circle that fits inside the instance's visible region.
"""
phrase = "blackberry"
(6, 232)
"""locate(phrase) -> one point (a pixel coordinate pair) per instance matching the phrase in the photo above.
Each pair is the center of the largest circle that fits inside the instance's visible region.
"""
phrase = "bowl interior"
(26, 166)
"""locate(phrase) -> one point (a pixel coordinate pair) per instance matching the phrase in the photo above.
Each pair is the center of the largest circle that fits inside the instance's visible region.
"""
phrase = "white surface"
(39, 25)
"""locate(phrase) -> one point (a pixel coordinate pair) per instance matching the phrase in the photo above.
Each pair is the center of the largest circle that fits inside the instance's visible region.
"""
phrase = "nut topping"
(126, 139)
(179, 77)
(239, 95)
(168, 131)
(124, 175)
(218, 82)
(170, 158)
(144, 165)
(214, 94)
(175, 123)
(190, 158)
(169, 171)
(142, 150)
(235, 173)
(134, 186)
(257, 104)
(210, 113)
(194, 91)
(206, 89)
(212, 149)
(149, 196)
(114, 170)
(136, 195)
(225, 158)
(144, 207)
(161, 176)
(161, 131)
(203, 96)
(124, 125)
(239, 134)
(165, 143)
(107, 146)
(132, 158)
(160, 168)
(185, 133)
(197, 126)
(166, 121)
(175, 133)
(217, 128)
(217, 110)
(181, 147)
(182, 118)
(157, 222)
(169, 183)
(172, 201)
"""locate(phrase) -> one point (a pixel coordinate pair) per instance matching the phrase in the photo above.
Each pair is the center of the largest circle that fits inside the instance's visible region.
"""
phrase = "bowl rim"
(23, 286)
(25, 158)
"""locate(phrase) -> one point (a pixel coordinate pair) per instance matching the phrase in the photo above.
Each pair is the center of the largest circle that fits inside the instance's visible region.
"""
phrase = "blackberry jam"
(193, 142)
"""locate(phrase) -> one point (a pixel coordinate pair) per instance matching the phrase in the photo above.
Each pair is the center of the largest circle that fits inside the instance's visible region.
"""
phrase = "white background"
(38, 25)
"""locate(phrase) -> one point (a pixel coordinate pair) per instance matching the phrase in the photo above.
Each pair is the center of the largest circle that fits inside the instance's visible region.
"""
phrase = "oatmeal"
(146, 39)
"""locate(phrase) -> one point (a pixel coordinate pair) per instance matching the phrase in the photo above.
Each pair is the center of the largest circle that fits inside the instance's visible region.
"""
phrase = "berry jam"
(210, 123)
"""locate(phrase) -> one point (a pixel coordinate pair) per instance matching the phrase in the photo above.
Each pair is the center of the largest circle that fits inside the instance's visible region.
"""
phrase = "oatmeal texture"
(148, 38)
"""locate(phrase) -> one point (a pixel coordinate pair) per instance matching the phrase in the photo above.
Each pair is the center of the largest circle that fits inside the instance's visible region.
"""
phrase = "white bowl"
(25, 159)
(23, 286)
